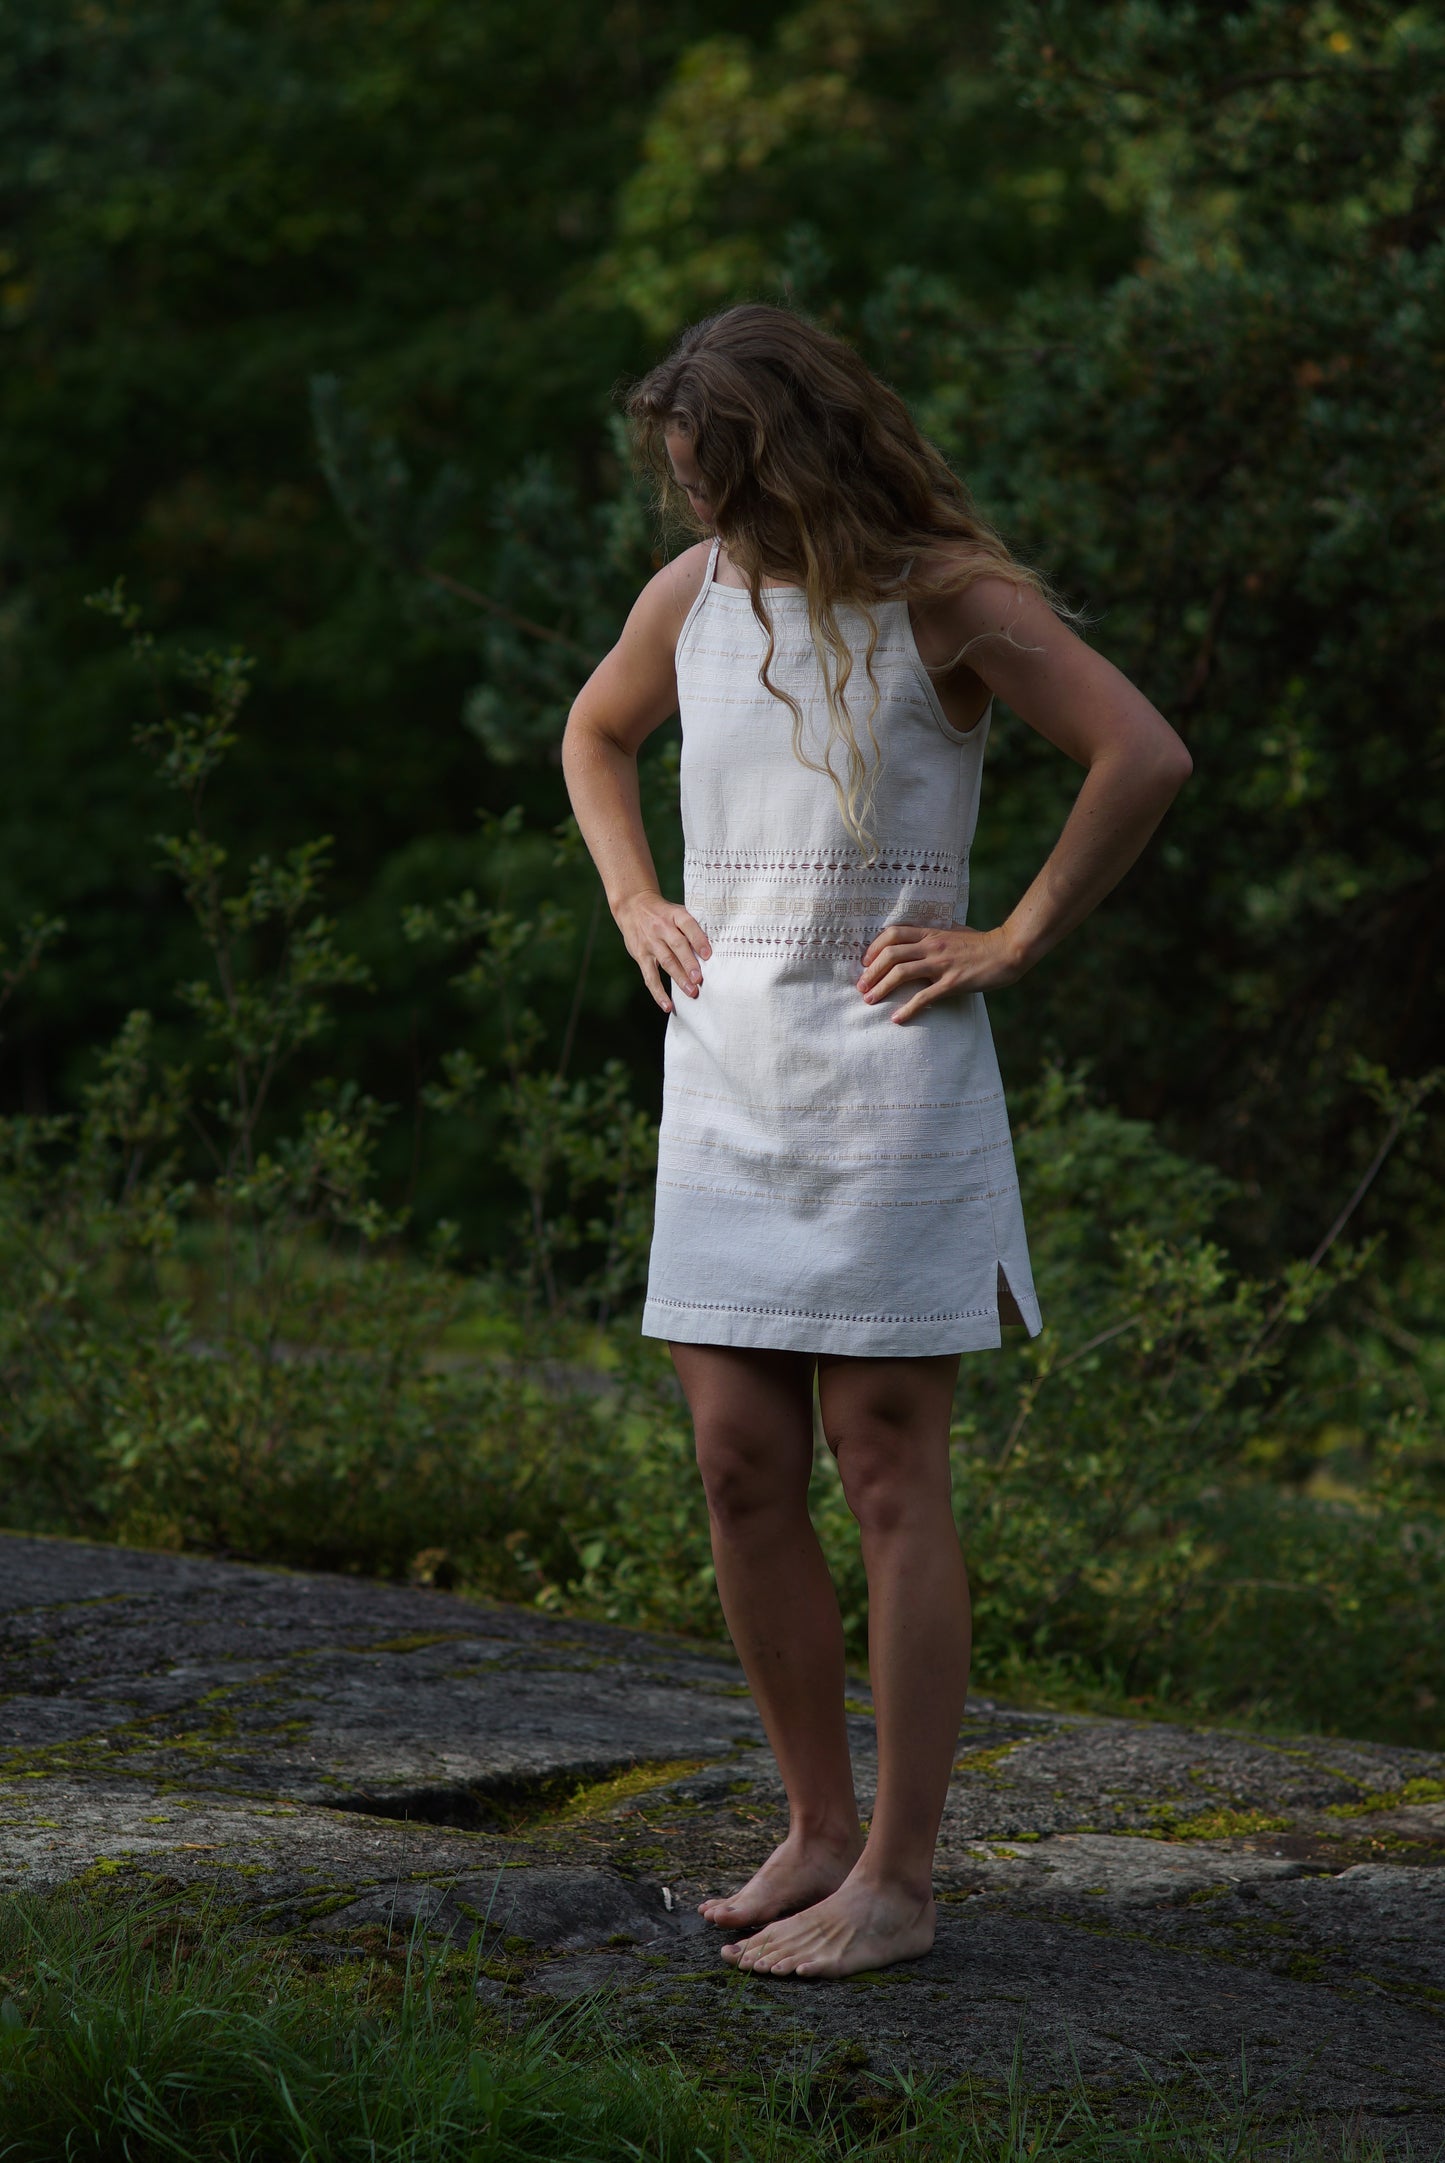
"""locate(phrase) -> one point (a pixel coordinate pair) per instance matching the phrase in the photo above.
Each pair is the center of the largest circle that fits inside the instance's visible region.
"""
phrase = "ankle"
(902, 1880)
(831, 1831)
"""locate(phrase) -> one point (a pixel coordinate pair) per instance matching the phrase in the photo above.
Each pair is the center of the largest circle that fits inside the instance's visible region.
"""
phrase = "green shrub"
(214, 1336)
(1123, 1537)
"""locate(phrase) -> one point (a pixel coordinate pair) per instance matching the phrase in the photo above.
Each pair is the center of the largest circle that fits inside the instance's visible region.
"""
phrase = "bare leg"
(887, 1422)
(753, 1416)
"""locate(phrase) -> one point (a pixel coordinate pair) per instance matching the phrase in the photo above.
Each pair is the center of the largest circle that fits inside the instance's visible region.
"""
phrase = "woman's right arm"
(628, 695)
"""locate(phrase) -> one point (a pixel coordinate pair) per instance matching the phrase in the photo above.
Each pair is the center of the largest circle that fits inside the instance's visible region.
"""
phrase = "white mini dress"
(827, 1181)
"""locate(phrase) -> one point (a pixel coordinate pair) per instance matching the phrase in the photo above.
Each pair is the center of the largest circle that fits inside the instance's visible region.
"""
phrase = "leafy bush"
(212, 1331)
(213, 1335)
(1124, 1538)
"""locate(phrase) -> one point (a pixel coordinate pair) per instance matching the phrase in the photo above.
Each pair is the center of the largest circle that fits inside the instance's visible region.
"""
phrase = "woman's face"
(681, 458)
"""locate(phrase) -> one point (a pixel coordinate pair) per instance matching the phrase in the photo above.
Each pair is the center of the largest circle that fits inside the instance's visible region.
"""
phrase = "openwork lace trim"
(817, 901)
(830, 863)
(815, 940)
(814, 1314)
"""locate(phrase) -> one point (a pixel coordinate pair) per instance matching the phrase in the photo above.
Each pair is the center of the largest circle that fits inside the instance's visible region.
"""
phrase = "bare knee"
(747, 1477)
(886, 1422)
(891, 1474)
(875, 1480)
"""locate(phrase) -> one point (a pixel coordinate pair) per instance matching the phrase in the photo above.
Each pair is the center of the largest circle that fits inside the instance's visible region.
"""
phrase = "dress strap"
(900, 600)
(704, 589)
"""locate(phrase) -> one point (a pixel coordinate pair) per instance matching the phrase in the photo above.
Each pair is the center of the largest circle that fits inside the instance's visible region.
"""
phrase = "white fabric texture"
(827, 1181)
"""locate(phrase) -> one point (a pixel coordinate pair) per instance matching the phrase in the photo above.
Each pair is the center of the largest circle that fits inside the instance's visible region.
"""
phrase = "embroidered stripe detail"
(835, 1201)
(786, 942)
(790, 909)
(835, 1111)
(780, 1159)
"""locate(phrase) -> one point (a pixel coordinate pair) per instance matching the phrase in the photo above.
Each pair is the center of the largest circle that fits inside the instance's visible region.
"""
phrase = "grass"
(156, 2029)
(150, 2034)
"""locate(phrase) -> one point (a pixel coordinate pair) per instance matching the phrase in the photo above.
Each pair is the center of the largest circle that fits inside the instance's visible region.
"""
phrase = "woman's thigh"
(752, 1414)
(913, 1395)
(887, 1423)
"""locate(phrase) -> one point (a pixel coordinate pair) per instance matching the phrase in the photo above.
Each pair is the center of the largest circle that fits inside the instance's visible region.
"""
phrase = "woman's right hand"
(661, 936)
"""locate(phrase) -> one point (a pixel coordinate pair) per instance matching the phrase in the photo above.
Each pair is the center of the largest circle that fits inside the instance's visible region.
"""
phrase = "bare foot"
(861, 1925)
(794, 1876)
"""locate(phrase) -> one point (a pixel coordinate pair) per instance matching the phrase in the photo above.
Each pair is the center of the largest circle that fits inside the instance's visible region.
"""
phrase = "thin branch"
(575, 1012)
(210, 1148)
(1414, 1098)
(484, 601)
(1131, 1322)
(1263, 76)
(1404, 1340)
(1212, 93)
(1392, 1135)
(1020, 1422)
(416, 1086)
(1204, 659)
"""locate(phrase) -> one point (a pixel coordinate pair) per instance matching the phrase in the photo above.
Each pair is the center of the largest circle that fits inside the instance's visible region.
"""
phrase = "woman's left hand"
(957, 959)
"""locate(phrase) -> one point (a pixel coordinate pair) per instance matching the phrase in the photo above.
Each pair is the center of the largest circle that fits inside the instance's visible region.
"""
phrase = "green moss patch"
(1400, 1798)
(1168, 1823)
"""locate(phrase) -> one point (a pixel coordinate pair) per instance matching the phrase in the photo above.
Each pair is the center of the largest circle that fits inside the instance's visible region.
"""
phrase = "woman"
(836, 1194)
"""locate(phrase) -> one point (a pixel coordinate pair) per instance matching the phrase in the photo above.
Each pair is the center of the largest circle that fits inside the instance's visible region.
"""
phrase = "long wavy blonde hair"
(819, 476)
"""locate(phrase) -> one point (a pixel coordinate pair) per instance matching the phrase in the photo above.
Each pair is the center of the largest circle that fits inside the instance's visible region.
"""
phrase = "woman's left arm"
(1136, 766)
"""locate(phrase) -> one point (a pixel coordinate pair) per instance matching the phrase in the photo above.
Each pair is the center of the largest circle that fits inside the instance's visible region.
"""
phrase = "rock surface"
(341, 1757)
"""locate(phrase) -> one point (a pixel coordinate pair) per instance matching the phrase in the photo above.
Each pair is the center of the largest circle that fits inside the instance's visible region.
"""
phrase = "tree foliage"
(312, 318)
(1234, 456)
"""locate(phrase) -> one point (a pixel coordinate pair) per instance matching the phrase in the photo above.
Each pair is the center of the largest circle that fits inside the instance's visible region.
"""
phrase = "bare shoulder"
(661, 608)
(633, 688)
(1028, 655)
(976, 606)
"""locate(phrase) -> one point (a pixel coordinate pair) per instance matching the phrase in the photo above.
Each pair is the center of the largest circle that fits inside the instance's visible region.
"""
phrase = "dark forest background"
(314, 314)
